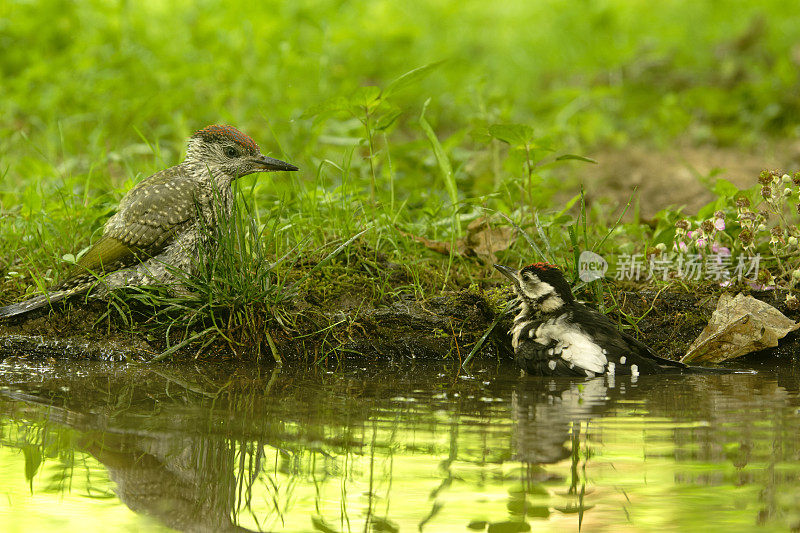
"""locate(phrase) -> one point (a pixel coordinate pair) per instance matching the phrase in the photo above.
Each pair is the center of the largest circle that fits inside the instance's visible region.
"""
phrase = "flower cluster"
(703, 238)
(777, 193)
(747, 220)
(765, 219)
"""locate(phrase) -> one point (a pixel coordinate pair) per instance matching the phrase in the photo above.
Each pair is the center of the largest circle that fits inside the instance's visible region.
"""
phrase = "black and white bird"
(555, 335)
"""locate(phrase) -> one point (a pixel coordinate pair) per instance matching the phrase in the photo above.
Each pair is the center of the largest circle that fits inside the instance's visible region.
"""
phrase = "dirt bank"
(442, 327)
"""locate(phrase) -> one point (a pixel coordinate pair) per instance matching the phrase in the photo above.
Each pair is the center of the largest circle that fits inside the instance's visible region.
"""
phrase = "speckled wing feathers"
(147, 219)
(154, 209)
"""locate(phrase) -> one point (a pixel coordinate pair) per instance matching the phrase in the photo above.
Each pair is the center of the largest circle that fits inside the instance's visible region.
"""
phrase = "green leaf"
(725, 188)
(388, 118)
(665, 236)
(543, 235)
(562, 219)
(513, 134)
(576, 249)
(331, 105)
(409, 78)
(441, 157)
(566, 157)
(569, 204)
(366, 98)
(707, 211)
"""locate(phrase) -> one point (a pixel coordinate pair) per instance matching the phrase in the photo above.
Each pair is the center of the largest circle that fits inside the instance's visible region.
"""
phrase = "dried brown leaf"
(481, 240)
(740, 325)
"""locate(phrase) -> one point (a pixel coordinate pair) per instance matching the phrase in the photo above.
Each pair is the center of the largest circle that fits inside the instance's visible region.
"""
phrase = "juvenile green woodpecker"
(157, 228)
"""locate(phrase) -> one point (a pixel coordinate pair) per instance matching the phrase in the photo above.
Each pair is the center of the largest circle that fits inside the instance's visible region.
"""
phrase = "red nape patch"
(223, 131)
(542, 266)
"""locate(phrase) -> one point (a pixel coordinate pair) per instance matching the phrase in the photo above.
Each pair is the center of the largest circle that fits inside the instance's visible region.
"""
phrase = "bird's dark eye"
(230, 151)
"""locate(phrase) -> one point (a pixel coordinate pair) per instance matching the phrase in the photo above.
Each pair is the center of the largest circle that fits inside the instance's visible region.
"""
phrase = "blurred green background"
(98, 94)
(586, 70)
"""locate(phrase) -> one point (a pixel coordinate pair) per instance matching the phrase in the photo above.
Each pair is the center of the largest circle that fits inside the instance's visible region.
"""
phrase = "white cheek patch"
(552, 304)
(537, 291)
(577, 348)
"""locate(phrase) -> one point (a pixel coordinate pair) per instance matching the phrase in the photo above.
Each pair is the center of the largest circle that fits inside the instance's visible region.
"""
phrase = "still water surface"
(381, 447)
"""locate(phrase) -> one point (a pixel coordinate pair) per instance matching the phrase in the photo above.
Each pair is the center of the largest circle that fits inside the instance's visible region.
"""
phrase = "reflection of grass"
(41, 468)
(279, 449)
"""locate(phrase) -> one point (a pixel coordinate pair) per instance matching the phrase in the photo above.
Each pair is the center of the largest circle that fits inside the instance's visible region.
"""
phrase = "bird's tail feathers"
(48, 298)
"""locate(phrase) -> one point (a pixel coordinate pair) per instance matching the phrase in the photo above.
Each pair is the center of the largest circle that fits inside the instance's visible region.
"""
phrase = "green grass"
(97, 95)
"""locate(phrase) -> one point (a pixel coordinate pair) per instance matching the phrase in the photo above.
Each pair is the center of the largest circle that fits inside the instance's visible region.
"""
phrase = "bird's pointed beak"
(269, 164)
(510, 273)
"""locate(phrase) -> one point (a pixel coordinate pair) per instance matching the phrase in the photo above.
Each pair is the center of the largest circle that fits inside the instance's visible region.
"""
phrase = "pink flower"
(680, 246)
(701, 242)
(719, 223)
(721, 250)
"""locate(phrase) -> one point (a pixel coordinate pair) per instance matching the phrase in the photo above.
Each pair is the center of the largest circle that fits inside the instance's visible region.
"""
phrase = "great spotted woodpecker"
(555, 335)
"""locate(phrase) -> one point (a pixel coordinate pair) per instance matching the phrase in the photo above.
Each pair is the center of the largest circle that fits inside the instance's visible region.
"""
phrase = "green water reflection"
(393, 448)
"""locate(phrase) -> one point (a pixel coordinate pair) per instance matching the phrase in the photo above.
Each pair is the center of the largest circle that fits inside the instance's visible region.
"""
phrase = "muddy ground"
(442, 327)
(679, 175)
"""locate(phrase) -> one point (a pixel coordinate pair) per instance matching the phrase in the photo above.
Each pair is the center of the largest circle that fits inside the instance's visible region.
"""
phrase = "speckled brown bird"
(156, 229)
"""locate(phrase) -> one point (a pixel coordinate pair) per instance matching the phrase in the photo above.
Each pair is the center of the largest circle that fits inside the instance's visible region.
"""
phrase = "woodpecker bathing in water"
(555, 335)
(156, 230)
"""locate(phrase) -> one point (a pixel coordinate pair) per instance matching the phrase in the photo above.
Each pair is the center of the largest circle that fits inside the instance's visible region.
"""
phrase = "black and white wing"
(583, 342)
(546, 348)
(624, 354)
